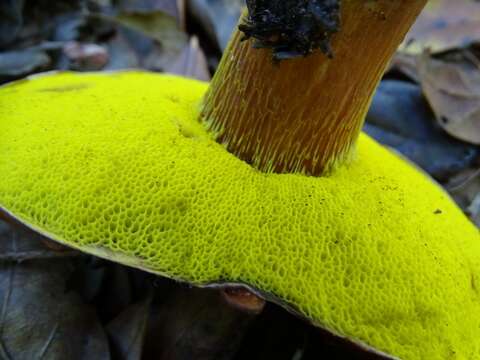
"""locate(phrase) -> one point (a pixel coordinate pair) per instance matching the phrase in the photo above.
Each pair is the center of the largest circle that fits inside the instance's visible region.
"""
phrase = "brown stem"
(304, 115)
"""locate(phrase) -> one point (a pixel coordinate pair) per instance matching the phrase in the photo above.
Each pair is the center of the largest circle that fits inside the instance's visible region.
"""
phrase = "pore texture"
(117, 165)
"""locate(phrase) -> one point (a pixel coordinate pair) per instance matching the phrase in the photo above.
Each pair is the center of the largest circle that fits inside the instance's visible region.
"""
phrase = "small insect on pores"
(292, 28)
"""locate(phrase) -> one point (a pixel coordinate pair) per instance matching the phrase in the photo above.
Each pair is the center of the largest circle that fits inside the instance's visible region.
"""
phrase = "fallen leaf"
(122, 54)
(453, 90)
(45, 20)
(444, 25)
(465, 190)
(156, 37)
(157, 25)
(11, 15)
(38, 318)
(174, 8)
(194, 323)
(218, 17)
(474, 210)
(85, 57)
(127, 331)
(67, 26)
(400, 117)
(406, 64)
(191, 62)
(22, 63)
(106, 284)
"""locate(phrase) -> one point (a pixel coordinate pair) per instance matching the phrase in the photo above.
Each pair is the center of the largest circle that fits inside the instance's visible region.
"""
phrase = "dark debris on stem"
(292, 28)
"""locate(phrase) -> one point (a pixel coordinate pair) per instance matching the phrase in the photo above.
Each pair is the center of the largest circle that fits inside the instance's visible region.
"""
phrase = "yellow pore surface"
(118, 166)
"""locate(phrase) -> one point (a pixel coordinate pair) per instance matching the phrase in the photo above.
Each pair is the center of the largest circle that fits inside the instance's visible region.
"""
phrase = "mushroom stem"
(304, 114)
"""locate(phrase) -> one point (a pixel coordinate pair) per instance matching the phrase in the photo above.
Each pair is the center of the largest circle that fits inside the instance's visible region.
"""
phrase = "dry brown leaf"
(453, 91)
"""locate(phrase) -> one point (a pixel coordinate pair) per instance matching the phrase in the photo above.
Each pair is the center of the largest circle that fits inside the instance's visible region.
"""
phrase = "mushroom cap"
(117, 165)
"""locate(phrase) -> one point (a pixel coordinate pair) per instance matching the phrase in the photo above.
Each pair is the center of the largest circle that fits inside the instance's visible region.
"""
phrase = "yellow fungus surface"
(118, 166)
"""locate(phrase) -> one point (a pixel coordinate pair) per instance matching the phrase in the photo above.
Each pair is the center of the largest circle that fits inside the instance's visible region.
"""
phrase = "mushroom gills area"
(118, 165)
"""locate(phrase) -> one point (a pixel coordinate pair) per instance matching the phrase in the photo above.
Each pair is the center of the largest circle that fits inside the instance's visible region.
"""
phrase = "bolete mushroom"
(264, 181)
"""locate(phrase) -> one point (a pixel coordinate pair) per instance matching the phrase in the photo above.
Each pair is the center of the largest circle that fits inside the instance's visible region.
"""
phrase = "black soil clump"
(292, 28)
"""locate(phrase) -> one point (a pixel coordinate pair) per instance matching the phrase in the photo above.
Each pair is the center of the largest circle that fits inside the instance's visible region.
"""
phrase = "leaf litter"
(60, 304)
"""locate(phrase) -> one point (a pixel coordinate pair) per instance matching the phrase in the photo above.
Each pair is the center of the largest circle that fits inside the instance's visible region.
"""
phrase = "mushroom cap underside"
(117, 165)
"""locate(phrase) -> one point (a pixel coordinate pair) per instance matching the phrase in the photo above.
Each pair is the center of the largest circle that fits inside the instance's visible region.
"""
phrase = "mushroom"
(261, 178)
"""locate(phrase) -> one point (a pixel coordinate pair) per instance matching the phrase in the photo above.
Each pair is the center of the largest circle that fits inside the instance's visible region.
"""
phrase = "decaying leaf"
(39, 319)
(16, 63)
(444, 25)
(11, 15)
(174, 8)
(127, 331)
(155, 37)
(194, 323)
(122, 54)
(474, 210)
(453, 91)
(465, 189)
(400, 118)
(86, 56)
(191, 62)
(157, 25)
(406, 64)
(218, 17)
